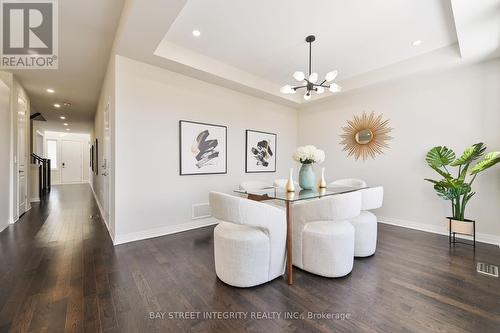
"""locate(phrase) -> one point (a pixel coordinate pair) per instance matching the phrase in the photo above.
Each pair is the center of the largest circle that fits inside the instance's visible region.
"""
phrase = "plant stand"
(466, 227)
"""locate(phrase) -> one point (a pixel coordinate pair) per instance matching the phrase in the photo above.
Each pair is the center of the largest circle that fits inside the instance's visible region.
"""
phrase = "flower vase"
(307, 179)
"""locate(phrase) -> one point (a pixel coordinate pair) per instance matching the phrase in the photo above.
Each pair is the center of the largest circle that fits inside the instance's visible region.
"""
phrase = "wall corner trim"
(436, 229)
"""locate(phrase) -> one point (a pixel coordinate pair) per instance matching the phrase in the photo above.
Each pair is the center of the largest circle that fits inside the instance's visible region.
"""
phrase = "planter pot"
(466, 227)
(307, 179)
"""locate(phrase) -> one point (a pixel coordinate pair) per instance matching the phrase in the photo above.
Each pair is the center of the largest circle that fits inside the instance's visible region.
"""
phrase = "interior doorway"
(69, 158)
(22, 163)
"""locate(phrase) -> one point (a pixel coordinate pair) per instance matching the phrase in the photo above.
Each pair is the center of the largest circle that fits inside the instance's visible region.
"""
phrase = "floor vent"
(200, 211)
(487, 269)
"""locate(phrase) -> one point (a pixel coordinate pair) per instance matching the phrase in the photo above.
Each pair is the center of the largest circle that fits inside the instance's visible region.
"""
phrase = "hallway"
(59, 272)
(51, 266)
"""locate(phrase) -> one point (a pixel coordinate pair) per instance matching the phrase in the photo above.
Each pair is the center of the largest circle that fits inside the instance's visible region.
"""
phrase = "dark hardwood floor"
(60, 272)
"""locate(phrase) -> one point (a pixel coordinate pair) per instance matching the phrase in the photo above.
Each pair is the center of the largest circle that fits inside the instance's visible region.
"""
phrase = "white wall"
(84, 140)
(5, 146)
(38, 140)
(107, 96)
(151, 197)
(456, 108)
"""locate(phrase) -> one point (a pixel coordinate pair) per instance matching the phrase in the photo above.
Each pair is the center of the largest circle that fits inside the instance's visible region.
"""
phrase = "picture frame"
(92, 158)
(260, 151)
(96, 160)
(202, 148)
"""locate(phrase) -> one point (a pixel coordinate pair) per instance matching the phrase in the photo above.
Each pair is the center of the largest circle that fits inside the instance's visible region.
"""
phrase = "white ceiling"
(478, 27)
(266, 38)
(250, 46)
(86, 33)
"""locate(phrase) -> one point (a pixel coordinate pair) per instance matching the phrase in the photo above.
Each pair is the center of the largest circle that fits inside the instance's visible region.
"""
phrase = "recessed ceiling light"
(51, 91)
(67, 129)
(62, 117)
(416, 42)
(65, 124)
(57, 105)
(196, 33)
(67, 104)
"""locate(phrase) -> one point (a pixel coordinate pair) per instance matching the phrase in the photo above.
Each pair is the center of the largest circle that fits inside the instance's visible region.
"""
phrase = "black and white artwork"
(260, 152)
(92, 158)
(96, 158)
(203, 148)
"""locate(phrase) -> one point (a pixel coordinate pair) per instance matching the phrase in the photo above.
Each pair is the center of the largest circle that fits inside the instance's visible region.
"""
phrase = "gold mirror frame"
(364, 137)
(359, 148)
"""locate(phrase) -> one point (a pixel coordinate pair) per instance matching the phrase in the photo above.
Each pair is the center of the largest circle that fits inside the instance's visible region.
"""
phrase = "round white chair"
(365, 224)
(252, 185)
(351, 182)
(249, 241)
(323, 239)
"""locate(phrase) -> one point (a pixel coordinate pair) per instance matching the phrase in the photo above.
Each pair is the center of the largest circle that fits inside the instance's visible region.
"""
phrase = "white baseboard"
(436, 229)
(101, 210)
(2, 228)
(35, 200)
(162, 231)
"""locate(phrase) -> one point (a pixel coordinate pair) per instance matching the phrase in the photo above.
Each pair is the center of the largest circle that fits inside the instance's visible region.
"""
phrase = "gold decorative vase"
(322, 183)
(290, 186)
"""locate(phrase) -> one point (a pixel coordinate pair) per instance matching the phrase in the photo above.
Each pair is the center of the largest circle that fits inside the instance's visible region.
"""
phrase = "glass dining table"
(274, 193)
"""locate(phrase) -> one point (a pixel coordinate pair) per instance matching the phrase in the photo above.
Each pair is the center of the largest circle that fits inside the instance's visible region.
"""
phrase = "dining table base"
(289, 261)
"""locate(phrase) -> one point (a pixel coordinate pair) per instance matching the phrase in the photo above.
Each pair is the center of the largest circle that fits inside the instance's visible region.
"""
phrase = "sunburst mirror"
(365, 136)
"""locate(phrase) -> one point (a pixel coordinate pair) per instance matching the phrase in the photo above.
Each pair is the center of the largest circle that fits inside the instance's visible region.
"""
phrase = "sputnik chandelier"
(310, 83)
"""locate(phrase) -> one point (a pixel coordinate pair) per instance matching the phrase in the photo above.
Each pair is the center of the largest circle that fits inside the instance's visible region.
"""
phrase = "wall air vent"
(200, 211)
(487, 269)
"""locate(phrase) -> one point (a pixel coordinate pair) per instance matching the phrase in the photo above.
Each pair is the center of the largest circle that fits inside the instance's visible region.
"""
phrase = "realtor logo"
(29, 34)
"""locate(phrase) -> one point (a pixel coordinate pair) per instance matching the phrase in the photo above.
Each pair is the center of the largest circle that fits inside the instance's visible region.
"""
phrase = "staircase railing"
(43, 174)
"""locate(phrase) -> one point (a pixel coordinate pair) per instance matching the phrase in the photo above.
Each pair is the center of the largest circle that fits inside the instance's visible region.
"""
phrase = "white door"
(21, 155)
(106, 166)
(71, 162)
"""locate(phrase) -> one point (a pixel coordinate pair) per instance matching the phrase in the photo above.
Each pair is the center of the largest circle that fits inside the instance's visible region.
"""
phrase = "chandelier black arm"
(298, 87)
(310, 56)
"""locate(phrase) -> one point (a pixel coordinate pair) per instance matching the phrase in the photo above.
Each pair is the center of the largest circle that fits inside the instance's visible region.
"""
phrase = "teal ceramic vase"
(307, 179)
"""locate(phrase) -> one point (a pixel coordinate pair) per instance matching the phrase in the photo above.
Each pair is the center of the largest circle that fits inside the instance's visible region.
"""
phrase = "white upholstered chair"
(249, 241)
(323, 239)
(250, 185)
(351, 182)
(365, 224)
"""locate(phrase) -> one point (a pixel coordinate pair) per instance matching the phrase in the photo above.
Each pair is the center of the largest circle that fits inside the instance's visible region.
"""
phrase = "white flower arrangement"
(309, 154)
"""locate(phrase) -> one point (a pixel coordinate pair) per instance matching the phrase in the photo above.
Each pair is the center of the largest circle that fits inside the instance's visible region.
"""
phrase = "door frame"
(106, 165)
(26, 206)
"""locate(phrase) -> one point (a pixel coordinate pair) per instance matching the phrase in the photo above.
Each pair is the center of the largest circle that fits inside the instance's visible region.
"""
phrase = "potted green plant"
(458, 189)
